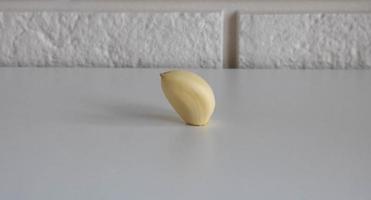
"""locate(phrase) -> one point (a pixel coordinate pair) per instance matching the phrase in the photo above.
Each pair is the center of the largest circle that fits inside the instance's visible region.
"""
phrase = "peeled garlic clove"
(190, 96)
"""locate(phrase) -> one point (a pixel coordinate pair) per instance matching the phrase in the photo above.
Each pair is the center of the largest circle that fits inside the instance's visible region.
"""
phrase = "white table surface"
(110, 134)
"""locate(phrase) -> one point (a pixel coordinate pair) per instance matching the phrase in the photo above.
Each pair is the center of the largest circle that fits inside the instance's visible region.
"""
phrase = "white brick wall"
(185, 39)
(305, 41)
(111, 39)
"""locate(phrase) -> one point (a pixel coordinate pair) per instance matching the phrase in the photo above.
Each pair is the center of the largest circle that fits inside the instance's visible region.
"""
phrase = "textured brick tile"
(305, 41)
(71, 39)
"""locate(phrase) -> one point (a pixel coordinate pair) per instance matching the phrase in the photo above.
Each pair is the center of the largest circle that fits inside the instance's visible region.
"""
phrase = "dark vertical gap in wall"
(230, 39)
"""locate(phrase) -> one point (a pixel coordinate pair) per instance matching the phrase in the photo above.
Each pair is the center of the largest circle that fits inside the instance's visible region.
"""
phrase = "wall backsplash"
(304, 35)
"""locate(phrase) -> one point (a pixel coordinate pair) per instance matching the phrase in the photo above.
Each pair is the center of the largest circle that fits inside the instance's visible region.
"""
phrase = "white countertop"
(110, 134)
